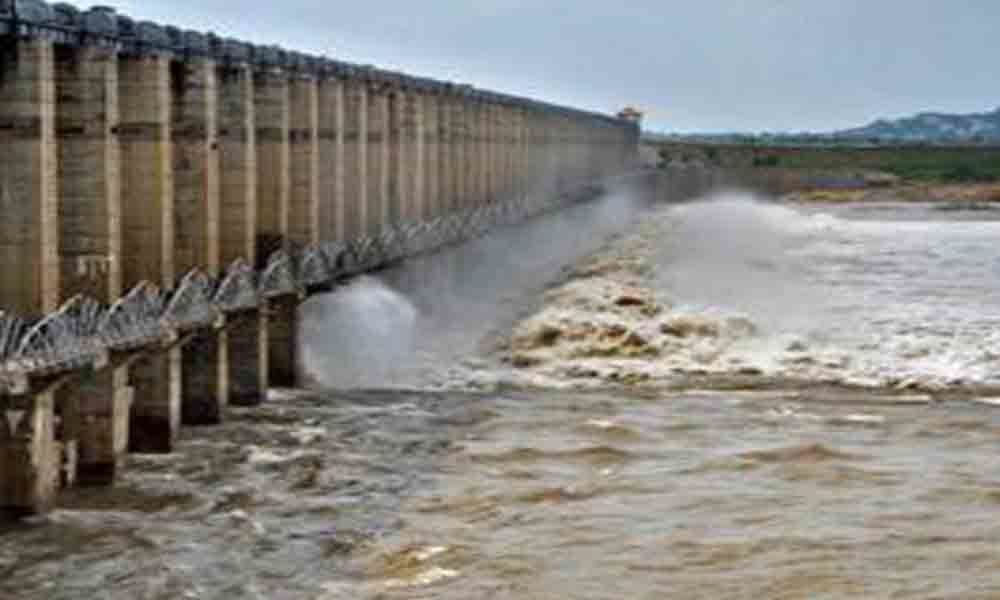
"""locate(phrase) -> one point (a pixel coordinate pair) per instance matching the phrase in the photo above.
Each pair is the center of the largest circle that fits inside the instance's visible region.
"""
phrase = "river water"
(722, 399)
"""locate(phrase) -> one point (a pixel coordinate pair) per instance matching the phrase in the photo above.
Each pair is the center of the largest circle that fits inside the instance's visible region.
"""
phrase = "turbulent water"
(892, 297)
(727, 399)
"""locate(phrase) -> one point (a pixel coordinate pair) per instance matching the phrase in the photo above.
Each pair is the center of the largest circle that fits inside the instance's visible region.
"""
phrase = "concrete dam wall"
(169, 197)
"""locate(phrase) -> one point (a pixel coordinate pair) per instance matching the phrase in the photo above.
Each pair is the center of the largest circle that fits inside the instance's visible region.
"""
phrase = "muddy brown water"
(541, 495)
(811, 492)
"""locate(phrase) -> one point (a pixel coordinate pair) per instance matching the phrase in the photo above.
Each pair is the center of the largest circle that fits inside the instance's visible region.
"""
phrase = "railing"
(82, 334)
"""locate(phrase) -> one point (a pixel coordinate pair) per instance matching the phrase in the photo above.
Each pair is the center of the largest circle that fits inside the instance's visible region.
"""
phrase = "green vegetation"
(952, 165)
(766, 161)
(917, 164)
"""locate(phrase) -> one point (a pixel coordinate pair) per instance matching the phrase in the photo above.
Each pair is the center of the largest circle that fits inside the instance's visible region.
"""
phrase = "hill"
(931, 127)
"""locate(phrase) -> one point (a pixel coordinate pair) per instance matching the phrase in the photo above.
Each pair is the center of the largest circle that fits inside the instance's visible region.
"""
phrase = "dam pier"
(170, 197)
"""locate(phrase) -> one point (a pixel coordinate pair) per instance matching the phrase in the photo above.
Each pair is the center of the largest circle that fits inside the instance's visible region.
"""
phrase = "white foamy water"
(433, 321)
(910, 294)
(895, 295)
(357, 336)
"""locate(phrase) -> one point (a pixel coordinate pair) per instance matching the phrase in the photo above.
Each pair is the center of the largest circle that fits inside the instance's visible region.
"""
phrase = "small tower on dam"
(631, 114)
(633, 117)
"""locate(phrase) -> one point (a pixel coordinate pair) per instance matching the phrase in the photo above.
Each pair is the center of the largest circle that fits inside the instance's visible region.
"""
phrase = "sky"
(690, 65)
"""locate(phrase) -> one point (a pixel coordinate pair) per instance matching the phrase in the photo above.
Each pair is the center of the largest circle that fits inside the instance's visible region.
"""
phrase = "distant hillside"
(931, 128)
(978, 129)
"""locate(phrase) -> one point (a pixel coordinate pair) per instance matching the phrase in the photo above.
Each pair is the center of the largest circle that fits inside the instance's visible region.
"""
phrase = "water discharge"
(730, 398)
(894, 297)
(357, 337)
(432, 322)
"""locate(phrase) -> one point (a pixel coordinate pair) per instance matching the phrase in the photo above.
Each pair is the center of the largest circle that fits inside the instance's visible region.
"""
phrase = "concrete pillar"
(516, 144)
(272, 98)
(248, 351)
(532, 154)
(237, 139)
(411, 172)
(565, 129)
(90, 235)
(529, 152)
(519, 143)
(271, 106)
(148, 236)
(549, 158)
(598, 142)
(445, 150)
(377, 209)
(431, 155)
(95, 410)
(29, 259)
(508, 127)
(331, 159)
(483, 144)
(462, 154)
(569, 152)
(451, 153)
(355, 158)
(503, 150)
(532, 144)
(282, 343)
(304, 208)
(477, 152)
(197, 228)
(397, 157)
(489, 152)
(565, 133)
(594, 148)
(547, 151)
(591, 148)
(567, 145)
(30, 456)
(246, 334)
(493, 168)
(553, 152)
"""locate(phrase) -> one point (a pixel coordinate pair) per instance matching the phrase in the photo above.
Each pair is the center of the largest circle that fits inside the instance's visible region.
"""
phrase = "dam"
(170, 197)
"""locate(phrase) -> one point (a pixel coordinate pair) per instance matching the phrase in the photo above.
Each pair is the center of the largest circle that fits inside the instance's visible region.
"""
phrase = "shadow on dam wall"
(419, 323)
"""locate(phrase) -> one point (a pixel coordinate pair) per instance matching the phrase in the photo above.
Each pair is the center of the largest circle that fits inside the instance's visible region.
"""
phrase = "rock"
(524, 361)
(797, 346)
(741, 326)
(689, 325)
(535, 334)
(630, 300)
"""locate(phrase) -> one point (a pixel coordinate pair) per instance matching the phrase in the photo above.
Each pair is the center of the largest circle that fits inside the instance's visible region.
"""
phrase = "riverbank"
(966, 194)
(968, 174)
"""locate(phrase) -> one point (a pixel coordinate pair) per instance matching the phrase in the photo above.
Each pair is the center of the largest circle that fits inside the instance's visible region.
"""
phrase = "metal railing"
(83, 333)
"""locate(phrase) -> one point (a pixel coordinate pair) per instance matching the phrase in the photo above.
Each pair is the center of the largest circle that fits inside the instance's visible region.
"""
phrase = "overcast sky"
(692, 65)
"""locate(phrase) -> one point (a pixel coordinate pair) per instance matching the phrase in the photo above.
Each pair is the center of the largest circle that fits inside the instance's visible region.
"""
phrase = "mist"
(739, 251)
(420, 323)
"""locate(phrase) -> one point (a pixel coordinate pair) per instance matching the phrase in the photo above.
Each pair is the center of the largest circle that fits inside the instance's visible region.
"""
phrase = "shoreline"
(987, 194)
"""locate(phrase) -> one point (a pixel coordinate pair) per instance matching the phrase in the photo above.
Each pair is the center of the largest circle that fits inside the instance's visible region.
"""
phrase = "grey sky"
(693, 65)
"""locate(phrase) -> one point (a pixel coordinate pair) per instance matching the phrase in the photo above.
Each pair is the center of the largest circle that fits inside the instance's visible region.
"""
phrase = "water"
(885, 297)
(818, 421)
